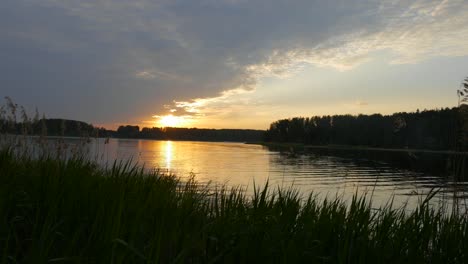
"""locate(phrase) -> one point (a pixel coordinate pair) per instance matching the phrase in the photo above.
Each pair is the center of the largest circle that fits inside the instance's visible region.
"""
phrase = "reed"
(55, 210)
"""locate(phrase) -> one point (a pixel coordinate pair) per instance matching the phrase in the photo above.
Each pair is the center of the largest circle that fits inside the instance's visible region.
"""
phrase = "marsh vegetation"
(73, 211)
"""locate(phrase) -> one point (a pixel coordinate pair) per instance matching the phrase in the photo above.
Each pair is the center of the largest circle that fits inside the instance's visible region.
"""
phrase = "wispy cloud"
(361, 103)
(156, 74)
(201, 107)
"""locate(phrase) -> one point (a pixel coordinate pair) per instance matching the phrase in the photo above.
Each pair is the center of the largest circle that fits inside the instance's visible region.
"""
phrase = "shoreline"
(301, 146)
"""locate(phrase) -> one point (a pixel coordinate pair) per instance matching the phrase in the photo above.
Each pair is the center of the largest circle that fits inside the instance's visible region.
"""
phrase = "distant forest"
(49, 127)
(440, 129)
(444, 129)
(72, 128)
(173, 133)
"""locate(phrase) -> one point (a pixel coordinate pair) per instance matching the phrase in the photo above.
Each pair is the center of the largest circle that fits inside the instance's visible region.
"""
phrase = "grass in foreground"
(74, 212)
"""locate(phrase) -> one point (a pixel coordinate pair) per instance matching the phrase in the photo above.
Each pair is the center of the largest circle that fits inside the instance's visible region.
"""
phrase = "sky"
(230, 63)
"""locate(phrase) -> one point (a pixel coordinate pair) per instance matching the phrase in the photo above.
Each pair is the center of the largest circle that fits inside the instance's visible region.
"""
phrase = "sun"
(171, 121)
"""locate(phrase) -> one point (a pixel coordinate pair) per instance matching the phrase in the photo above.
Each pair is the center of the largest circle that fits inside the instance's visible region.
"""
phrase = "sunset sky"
(230, 63)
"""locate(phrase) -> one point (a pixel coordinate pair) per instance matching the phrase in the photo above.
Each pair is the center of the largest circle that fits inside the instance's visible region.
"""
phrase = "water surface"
(238, 164)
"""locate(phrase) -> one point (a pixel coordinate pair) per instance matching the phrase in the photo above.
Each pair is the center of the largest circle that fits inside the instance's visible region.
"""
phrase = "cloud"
(127, 59)
(156, 74)
(361, 103)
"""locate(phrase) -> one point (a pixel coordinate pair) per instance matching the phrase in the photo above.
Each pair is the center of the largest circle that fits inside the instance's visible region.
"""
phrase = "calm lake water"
(238, 164)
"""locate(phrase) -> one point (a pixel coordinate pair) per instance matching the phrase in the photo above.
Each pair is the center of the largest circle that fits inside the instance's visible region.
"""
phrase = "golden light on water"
(168, 154)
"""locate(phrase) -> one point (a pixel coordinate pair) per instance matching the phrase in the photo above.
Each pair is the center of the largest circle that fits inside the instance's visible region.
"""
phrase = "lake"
(237, 164)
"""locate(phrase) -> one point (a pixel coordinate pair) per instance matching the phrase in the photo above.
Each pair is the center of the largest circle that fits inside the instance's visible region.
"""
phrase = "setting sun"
(171, 121)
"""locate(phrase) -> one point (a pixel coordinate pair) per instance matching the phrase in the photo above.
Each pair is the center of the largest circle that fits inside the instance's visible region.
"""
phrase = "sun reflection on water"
(169, 154)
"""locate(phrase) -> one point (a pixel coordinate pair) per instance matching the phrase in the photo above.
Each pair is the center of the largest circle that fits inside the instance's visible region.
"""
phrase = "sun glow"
(171, 121)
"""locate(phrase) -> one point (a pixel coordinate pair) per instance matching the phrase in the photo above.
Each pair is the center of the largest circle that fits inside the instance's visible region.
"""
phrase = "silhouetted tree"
(128, 131)
(463, 115)
(463, 92)
(432, 129)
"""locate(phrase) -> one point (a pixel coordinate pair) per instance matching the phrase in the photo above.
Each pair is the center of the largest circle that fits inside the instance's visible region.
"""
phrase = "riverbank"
(74, 211)
(300, 146)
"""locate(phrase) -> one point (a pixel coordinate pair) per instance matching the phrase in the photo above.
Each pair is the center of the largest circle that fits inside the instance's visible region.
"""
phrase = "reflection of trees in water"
(360, 169)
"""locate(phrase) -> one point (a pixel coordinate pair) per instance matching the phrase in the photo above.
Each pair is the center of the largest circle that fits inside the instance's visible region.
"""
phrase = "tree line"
(73, 128)
(440, 129)
(198, 134)
(15, 120)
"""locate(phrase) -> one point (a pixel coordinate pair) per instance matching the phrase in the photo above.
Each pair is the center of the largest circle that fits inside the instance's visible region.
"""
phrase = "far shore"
(291, 145)
(300, 146)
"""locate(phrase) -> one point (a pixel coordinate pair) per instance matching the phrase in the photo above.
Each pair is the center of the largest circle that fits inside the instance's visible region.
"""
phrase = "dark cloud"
(116, 61)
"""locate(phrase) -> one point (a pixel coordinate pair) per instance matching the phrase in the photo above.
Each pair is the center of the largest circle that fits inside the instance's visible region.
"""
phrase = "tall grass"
(72, 211)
